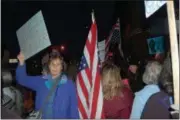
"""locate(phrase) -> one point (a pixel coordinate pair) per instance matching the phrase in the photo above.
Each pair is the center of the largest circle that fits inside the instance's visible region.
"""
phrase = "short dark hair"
(55, 55)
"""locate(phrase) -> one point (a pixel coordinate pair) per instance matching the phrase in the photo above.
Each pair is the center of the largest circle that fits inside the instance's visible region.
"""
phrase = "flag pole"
(174, 49)
(92, 14)
(120, 42)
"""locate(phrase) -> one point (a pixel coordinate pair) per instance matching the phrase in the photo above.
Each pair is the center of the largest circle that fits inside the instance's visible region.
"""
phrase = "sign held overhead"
(152, 6)
(156, 45)
(33, 36)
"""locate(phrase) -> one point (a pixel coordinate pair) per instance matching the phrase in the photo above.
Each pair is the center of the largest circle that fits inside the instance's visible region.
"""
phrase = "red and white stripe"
(89, 89)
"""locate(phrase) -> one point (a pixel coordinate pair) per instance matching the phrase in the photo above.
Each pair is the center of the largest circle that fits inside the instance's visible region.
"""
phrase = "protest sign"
(101, 50)
(102, 55)
(101, 45)
(33, 36)
(156, 45)
(152, 6)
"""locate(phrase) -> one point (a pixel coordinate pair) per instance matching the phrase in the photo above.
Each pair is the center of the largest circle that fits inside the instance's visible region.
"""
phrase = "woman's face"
(55, 67)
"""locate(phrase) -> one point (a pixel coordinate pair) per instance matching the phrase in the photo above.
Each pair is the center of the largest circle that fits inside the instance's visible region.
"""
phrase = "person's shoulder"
(127, 97)
(160, 99)
(126, 90)
(160, 102)
(127, 93)
(71, 86)
(158, 95)
(148, 90)
(64, 80)
(43, 77)
(70, 82)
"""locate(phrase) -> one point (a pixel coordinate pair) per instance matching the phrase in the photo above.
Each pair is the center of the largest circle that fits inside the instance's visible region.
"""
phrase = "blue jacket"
(64, 106)
(140, 100)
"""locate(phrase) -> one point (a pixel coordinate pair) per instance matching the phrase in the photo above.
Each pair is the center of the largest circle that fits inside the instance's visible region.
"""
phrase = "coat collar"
(49, 83)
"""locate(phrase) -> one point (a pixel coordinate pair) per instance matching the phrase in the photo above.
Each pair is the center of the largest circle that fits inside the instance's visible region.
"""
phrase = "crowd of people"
(153, 101)
(56, 95)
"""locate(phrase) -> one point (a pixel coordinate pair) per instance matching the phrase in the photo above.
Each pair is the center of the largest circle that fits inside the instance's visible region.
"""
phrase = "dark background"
(68, 24)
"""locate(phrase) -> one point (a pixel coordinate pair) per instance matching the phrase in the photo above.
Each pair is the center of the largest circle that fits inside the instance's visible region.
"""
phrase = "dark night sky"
(67, 22)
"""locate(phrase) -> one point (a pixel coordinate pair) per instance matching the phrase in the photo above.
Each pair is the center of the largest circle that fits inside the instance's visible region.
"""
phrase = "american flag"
(113, 37)
(89, 89)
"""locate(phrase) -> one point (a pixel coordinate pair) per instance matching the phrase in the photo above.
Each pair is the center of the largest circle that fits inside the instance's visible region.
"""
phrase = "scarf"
(49, 84)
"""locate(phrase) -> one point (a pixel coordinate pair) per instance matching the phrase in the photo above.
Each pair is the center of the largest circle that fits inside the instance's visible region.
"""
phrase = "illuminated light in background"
(13, 60)
(62, 48)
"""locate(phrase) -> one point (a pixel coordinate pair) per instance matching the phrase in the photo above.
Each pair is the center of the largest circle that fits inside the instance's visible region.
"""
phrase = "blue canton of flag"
(83, 64)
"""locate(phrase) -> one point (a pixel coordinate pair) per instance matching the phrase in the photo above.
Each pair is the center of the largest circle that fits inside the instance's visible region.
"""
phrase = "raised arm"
(32, 82)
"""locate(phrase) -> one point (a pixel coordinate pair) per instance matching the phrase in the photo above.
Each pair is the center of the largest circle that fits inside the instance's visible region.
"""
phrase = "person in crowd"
(8, 114)
(132, 71)
(7, 103)
(136, 75)
(118, 98)
(150, 78)
(44, 62)
(124, 79)
(63, 102)
(158, 105)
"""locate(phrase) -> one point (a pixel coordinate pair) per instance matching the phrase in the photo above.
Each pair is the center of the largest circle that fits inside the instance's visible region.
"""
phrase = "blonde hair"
(111, 81)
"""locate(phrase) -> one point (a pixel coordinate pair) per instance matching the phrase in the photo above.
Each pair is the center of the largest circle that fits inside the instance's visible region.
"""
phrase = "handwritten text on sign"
(156, 45)
(33, 36)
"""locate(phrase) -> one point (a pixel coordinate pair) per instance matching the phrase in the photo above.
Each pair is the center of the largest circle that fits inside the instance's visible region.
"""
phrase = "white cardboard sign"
(152, 6)
(101, 45)
(101, 49)
(33, 36)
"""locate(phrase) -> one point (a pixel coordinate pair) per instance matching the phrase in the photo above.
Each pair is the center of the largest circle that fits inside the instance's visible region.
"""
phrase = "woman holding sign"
(55, 94)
